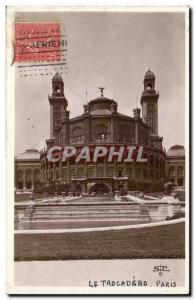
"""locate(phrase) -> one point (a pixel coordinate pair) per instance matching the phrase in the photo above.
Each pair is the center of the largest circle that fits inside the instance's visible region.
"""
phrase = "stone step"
(66, 208)
(88, 211)
(77, 214)
(89, 214)
(85, 218)
(84, 215)
(101, 211)
(108, 211)
(89, 218)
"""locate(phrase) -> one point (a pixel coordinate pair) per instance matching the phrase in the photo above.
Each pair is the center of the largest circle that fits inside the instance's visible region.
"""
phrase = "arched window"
(124, 133)
(119, 173)
(28, 179)
(19, 175)
(151, 160)
(149, 86)
(37, 175)
(62, 138)
(28, 174)
(171, 171)
(147, 156)
(80, 172)
(157, 162)
(161, 163)
(77, 135)
(145, 173)
(57, 89)
(101, 132)
(180, 171)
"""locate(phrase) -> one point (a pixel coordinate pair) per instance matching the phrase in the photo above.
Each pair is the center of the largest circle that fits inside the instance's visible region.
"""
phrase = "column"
(112, 130)
(73, 187)
(84, 187)
(124, 169)
(51, 120)
(85, 170)
(144, 111)
(95, 169)
(68, 171)
(48, 172)
(115, 175)
(32, 179)
(105, 167)
(60, 166)
(136, 133)
(126, 184)
(54, 173)
(134, 170)
(24, 180)
(156, 118)
(76, 170)
(115, 169)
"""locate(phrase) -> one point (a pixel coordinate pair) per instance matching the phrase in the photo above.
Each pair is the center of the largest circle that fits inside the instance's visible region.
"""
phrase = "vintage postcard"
(98, 150)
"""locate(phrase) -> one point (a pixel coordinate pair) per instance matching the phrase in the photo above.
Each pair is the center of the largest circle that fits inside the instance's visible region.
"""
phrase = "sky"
(113, 50)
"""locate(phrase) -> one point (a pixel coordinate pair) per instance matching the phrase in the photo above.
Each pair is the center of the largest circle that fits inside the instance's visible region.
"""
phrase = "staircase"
(92, 212)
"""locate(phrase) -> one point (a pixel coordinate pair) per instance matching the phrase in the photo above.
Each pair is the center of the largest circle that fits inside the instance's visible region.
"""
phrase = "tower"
(136, 113)
(149, 102)
(58, 106)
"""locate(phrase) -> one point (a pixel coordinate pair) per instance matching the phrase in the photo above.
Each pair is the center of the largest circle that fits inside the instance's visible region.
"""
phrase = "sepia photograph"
(98, 164)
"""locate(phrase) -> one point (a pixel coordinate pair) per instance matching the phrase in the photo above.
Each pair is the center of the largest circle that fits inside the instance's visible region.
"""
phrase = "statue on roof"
(102, 91)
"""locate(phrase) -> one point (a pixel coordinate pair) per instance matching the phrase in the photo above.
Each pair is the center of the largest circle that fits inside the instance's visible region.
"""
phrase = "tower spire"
(58, 105)
(149, 102)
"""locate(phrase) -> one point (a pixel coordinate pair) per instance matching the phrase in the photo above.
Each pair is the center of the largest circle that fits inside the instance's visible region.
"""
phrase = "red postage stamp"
(37, 42)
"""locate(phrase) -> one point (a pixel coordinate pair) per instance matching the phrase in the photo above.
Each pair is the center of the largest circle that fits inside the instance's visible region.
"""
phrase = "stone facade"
(27, 170)
(175, 165)
(102, 124)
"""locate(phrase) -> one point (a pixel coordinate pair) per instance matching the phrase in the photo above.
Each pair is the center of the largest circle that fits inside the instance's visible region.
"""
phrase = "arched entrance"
(65, 188)
(100, 188)
(121, 188)
(78, 187)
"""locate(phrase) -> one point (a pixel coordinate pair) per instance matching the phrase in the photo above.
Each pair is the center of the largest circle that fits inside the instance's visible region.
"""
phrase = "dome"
(101, 100)
(102, 106)
(176, 151)
(149, 75)
(29, 154)
(57, 77)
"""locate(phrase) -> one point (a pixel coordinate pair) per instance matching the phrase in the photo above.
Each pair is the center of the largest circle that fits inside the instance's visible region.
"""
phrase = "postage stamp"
(39, 46)
(98, 150)
(37, 42)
